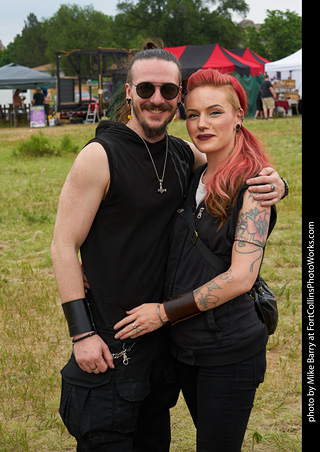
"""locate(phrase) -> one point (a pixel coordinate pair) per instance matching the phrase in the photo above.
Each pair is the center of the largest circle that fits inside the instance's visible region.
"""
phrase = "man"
(117, 206)
(267, 96)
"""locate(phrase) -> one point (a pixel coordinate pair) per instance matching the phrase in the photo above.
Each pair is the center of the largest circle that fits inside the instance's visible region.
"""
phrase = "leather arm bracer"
(79, 317)
(181, 308)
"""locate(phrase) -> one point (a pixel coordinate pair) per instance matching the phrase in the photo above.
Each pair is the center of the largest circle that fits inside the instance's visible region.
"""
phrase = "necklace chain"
(160, 189)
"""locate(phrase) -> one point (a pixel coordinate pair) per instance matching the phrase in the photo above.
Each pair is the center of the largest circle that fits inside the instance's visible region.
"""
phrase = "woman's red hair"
(247, 158)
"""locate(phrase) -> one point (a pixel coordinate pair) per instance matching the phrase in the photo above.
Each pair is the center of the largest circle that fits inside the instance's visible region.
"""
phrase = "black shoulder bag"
(264, 300)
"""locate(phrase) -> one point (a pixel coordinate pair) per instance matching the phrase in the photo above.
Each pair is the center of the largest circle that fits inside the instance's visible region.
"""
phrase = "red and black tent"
(250, 55)
(194, 57)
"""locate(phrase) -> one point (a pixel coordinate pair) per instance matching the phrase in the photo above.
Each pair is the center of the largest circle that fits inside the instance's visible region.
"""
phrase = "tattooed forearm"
(242, 247)
(206, 296)
(226, 276)
(205, 299)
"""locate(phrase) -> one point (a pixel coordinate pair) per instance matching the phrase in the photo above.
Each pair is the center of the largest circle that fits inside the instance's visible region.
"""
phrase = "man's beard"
(152, 133)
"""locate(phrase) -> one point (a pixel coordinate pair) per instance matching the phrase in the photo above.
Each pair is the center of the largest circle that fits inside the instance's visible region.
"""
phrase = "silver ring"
(134, 326)
(272, 187)
(138, 330)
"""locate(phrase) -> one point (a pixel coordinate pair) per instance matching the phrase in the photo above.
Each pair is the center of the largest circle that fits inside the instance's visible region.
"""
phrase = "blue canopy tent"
(13, 76)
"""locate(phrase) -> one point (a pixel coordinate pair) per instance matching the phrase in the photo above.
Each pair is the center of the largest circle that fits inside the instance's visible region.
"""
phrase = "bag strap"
(214, 260)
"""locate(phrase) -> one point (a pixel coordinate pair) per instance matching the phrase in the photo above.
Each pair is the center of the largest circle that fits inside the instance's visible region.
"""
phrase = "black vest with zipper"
(228, 333)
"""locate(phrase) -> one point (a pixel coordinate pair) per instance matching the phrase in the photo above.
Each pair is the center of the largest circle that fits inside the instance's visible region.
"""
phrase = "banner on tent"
(37, 116)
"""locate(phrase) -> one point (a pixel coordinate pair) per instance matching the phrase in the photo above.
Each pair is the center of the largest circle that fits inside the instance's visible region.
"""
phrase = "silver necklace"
(160, 189)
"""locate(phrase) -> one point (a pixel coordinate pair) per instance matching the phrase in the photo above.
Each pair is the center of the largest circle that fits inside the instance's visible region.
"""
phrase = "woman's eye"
(216, 113)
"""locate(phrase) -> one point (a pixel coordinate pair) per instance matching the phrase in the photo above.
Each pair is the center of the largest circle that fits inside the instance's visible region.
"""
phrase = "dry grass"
(34, 339)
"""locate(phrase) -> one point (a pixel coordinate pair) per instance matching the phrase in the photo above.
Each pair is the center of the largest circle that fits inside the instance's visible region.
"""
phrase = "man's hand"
(93, 355)
(262, 187)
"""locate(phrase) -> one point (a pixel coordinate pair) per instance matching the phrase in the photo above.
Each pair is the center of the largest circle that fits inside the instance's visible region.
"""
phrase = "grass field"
(34, 342)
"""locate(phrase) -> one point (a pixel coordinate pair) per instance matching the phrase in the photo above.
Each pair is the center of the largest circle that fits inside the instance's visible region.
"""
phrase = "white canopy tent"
(291, 66)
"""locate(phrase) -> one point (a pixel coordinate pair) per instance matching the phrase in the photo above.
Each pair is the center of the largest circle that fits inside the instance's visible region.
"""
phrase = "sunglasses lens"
(169, 90)
(145, 90)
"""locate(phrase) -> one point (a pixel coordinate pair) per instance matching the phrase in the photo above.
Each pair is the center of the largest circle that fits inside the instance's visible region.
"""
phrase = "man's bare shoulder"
(90, 168)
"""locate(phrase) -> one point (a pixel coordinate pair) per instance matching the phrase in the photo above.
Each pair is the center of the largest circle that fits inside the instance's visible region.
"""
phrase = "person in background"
(267, 96)
(17, 101)
(259, 111)
(38, 98)
(218, 339)
(46, 101)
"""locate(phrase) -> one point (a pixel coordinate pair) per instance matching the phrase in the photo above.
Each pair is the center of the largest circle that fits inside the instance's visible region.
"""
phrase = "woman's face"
(212, 120)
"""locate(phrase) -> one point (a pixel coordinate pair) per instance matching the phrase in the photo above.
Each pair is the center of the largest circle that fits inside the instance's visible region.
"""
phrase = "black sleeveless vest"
(125, 253)
(228, 333)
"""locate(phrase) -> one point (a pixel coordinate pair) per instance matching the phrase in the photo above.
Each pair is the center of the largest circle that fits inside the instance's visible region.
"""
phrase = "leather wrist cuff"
(181, 308)
(79, 317)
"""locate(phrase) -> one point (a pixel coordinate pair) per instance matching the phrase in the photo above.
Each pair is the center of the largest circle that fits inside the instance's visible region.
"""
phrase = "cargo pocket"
(76, 398)
(128, 398)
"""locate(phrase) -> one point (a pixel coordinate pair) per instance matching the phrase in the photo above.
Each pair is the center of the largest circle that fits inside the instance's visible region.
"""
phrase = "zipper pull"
(200, 213)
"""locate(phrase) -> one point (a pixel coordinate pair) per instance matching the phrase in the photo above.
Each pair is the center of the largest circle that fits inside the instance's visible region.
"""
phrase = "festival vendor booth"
(286, 76)
(248, 71)
(13, 76)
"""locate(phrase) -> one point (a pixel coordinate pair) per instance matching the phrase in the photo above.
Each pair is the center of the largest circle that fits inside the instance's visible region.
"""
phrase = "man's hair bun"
(156, 43)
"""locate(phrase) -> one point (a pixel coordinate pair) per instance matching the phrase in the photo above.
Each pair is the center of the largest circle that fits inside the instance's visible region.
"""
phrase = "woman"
(218, 338)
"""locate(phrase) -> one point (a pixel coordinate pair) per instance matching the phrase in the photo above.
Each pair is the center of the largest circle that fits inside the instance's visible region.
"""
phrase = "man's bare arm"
(82, 193)
(80, 198)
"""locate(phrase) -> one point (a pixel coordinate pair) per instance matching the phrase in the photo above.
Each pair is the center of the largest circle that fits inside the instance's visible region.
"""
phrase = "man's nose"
(157, 97)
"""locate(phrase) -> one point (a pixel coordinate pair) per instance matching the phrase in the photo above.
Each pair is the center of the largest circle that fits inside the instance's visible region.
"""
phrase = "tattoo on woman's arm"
(206, 296)
(253, 226)
(241, 247)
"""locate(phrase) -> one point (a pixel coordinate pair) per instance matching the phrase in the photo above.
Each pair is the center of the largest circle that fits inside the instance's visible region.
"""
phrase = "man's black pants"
(125, 409)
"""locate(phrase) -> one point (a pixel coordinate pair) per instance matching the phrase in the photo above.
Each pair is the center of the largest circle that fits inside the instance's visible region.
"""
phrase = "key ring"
(123, 354)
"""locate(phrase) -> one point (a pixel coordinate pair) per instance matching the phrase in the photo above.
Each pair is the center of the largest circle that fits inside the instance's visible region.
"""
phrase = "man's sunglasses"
(146, 89)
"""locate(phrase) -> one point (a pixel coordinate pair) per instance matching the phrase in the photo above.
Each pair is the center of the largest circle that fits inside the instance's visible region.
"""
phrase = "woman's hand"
(140, 320)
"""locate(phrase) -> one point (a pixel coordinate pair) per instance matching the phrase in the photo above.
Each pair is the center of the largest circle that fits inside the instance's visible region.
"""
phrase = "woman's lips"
(204, 137)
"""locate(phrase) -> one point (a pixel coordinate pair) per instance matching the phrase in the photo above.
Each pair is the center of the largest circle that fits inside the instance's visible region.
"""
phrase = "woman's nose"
(202, 122)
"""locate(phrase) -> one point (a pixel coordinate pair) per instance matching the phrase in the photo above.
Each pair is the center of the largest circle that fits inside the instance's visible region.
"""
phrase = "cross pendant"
(161, 189)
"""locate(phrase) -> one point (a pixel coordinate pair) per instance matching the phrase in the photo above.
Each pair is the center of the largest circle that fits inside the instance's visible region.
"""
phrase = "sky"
(14, 12)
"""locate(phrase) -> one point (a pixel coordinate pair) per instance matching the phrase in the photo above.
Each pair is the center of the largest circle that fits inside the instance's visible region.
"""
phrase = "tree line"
(176, 22)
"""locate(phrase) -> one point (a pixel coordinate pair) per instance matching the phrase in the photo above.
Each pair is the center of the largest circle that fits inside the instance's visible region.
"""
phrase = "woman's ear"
(241, 114)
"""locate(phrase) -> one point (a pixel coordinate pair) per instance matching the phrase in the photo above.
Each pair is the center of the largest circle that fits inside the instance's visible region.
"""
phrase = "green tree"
(9, 54)
(179, 22)
(279, 36)
(27, 49)
(73, 27)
